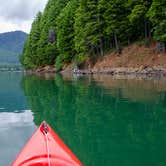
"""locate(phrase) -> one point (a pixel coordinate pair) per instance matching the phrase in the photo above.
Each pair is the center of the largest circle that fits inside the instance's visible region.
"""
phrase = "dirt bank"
(133, 60)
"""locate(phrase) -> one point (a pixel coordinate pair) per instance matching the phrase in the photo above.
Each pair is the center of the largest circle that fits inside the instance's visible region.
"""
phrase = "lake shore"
(134, 60)
(157, 72)
(123, 72)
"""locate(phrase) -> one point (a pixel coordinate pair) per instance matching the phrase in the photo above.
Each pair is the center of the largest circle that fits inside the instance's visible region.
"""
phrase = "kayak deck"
(45, 148)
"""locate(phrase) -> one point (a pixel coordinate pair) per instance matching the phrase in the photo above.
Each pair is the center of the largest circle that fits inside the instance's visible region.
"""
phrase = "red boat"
(45, 148)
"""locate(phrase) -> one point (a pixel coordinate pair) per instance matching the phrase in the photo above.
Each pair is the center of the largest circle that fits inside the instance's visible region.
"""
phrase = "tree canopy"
(69, 31)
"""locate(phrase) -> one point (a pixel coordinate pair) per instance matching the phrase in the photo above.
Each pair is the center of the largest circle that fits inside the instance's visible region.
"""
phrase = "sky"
(19, 14)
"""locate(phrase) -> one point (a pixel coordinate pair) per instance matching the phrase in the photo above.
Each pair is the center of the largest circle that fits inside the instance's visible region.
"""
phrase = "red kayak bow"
(45, 148)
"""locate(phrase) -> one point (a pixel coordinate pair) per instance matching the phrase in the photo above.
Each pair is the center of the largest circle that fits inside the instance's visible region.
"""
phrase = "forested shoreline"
(70, 31)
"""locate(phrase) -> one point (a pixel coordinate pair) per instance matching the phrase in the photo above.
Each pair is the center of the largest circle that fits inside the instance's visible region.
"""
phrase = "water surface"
(16, 121)
(104, 121)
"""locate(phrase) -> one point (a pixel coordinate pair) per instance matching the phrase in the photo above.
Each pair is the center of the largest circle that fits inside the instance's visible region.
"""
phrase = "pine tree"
(139, 18)
(29, 57)
(79, 35)
(47, 48)
(24, 57)
(157, 14)
(89, 37)
(65, 33)
(34, 39)
(72, 30)
(116, 20)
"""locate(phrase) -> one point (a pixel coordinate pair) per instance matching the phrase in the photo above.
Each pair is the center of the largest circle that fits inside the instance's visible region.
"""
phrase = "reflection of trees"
(102, 129)
(133, 89)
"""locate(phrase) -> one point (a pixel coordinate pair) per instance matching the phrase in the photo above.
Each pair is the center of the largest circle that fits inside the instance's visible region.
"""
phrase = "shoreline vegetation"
(135, 60)
(105, 36)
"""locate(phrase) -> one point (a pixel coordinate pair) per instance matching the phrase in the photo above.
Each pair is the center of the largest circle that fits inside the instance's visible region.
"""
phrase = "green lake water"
(104, 121)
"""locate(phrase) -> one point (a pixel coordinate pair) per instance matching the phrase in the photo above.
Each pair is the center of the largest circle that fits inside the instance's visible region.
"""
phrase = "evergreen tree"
(24, 57)
(65, 33)
(29, 57)
(138, 17)
(72, 30)
(48, 48)
(34, 39)
(79, 36)
(116, 20)
(157, 14)
(89, 30)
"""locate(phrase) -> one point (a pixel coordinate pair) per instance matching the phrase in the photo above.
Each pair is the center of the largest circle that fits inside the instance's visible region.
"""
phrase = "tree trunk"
(146, 33)
(149, 29)
(101, 48)
(128, 41)
(97, 50)
(111, 44)
(94, 51)
(116, 44)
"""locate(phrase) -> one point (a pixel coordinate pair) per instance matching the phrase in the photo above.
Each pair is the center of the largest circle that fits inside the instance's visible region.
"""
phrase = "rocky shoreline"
(143, 71)
(42, 70)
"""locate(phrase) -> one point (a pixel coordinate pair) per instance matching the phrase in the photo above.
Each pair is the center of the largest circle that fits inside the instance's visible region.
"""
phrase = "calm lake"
(104, 121)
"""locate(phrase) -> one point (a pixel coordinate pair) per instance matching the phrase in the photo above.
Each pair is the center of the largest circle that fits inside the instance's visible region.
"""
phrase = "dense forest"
(70, 31)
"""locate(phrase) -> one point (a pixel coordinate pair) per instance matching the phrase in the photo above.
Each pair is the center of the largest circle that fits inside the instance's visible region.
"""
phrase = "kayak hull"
(46, 148)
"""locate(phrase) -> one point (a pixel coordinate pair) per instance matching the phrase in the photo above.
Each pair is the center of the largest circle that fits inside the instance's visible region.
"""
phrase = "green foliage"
(137, 13)
(48, 23)
(59, 63)
(88, 28)
(40, 48)
(157, 14)
(79, 59)
(69, 31)
(65, 32)
(29, 57)
(117, 23)
(139, 20)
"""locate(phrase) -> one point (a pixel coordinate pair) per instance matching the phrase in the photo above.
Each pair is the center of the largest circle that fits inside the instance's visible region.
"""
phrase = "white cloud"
(19, 14)
(6, 26)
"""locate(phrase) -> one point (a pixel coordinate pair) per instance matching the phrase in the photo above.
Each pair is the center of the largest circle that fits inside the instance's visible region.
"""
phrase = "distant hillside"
(11, 44)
